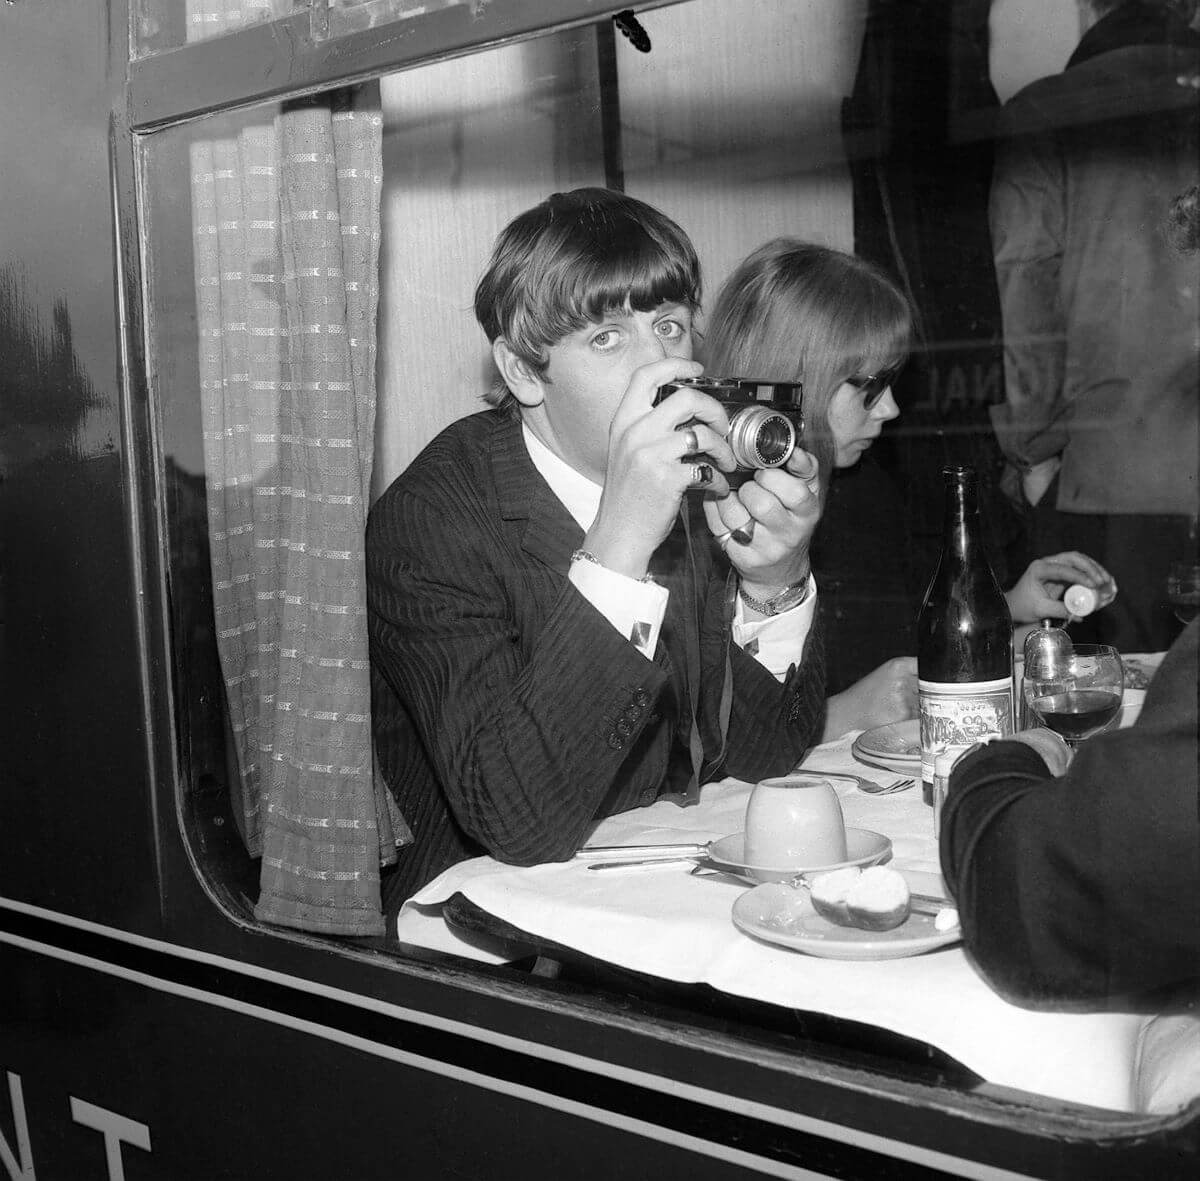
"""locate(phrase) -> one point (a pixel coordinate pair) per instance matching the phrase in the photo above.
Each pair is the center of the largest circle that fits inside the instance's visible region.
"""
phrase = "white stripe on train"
(721, 1101)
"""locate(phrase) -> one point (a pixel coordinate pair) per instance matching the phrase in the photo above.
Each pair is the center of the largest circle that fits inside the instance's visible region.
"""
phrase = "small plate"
(778, 914)
(895, 747)
(863, 847)
(1140, 669)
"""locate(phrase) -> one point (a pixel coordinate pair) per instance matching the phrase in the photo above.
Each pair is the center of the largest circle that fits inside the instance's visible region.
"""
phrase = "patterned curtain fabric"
(286, 231)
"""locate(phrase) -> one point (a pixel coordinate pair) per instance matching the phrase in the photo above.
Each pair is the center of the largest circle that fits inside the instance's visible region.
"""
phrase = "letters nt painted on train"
(116, 1129)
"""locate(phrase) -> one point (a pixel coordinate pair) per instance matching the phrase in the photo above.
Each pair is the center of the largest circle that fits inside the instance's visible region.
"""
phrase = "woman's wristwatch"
(789, 597)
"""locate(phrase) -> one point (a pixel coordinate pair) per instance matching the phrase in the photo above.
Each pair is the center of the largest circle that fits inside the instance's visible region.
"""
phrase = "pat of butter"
(946, 919)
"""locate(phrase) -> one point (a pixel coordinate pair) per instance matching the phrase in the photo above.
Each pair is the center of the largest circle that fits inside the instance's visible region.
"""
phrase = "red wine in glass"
(1077, 713)
(1074, 689)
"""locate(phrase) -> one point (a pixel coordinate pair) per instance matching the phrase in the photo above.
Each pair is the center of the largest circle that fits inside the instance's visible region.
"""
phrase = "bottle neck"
(963, 523)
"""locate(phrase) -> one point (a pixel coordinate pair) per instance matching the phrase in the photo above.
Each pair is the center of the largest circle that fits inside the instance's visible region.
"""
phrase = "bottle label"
(962, 714)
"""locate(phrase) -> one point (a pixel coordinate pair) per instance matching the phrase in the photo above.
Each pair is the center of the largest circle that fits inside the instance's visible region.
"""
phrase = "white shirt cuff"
(634, 608)
(777, 642)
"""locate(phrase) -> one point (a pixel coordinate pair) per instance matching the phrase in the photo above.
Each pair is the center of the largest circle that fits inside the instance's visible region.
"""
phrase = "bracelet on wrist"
(582, 555)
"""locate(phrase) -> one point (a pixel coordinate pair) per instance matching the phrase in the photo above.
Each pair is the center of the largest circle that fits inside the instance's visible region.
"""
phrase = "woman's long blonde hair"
(796, 311)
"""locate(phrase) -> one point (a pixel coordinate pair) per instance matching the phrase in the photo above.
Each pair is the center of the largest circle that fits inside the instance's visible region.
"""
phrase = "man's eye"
(604, 339)
(670, 329)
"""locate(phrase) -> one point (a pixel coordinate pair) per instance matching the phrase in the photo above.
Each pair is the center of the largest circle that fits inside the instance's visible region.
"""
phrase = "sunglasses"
(874, 385)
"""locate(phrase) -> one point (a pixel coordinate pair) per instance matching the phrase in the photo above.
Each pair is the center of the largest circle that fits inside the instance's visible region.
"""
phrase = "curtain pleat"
(286, 219)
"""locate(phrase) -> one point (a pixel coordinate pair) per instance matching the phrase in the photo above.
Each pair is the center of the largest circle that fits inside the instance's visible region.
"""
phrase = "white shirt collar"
(579, 495)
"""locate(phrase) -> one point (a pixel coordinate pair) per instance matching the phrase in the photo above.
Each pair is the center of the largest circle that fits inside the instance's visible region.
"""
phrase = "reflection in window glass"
(168, 24)
(348, 16)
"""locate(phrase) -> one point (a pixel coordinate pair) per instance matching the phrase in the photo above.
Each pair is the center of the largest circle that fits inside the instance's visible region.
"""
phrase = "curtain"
(286, 235)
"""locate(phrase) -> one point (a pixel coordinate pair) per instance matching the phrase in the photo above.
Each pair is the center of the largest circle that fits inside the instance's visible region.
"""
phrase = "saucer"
(778, 914)
(894, 747)
(863, 848)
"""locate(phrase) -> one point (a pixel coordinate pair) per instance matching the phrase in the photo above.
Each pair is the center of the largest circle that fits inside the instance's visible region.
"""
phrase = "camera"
(766, 422)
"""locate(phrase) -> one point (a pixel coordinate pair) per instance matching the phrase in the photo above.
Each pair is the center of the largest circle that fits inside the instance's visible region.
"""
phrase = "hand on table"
(1038, 593)
(889, 694)
(780, 508)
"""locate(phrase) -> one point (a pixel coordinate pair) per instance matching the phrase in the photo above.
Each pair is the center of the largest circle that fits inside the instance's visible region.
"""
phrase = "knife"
(640, 852)
(647, 863)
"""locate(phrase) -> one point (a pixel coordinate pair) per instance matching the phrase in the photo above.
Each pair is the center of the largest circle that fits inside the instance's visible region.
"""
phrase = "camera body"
(766, 422)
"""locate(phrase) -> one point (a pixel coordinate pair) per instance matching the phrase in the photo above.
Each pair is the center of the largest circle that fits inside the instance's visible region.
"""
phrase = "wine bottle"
(964, 636)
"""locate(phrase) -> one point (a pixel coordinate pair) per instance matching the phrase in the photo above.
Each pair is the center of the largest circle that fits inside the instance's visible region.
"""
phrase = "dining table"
(685, 921)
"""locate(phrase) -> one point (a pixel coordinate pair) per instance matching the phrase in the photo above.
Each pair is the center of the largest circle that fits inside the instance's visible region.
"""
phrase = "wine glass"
(1074, 690)
(1183, 590)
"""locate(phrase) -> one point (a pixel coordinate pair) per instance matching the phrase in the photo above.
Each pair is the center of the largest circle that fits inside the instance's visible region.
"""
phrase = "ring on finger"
(702, 474)
(744, 534)
(692, 441)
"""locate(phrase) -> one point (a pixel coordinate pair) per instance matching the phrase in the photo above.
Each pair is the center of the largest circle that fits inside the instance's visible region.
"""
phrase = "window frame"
(283, 59)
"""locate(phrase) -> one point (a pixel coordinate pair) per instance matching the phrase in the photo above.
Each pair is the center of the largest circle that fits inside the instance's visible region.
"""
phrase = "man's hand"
(780, 507)
(889, 694)
(1055, 752)
(1038, 593)
(652, 463)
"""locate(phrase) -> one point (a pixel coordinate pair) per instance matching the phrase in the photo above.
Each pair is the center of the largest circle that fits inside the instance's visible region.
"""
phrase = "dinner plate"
(863, 847)
(778, 914)
(895, 747)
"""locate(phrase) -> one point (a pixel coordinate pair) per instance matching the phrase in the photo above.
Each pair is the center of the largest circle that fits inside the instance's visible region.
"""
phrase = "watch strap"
(785, 600)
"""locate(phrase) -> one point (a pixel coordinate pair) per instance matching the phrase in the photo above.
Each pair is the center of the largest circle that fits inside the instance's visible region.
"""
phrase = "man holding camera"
(555, 634)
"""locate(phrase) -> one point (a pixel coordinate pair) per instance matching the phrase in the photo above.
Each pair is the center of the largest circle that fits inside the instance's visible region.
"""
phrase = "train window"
(325, 247)
(463, 145)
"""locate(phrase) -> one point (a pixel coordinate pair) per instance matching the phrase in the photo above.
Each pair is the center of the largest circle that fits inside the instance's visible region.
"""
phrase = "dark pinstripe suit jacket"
(509, 713)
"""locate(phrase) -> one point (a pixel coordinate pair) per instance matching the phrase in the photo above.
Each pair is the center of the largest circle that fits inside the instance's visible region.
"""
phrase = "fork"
(869, 785)
(884, 789)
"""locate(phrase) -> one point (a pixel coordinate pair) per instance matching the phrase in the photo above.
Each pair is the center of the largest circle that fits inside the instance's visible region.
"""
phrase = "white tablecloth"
(667, 923)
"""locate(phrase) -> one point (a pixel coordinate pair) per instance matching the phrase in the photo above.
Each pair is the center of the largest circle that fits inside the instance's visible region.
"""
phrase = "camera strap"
(693, 671)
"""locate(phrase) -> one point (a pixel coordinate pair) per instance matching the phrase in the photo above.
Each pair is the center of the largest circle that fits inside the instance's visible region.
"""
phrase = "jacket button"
(631, 713)
(616, 741)
(623, 727)
(641, 697)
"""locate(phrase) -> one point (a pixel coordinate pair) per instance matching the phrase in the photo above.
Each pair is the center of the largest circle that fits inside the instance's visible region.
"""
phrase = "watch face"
(792, 597)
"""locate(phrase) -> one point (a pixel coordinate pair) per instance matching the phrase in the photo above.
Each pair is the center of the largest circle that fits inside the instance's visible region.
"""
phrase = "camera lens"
(761, 438)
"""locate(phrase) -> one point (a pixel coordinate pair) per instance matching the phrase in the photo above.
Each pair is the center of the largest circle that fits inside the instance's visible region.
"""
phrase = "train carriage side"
(150, 1026)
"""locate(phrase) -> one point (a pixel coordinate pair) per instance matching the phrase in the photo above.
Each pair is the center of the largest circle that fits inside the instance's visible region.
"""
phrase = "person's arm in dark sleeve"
(1083, 888)
(527, 736)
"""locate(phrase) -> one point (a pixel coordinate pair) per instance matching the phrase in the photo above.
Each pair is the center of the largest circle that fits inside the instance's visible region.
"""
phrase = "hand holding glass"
(1075, 690)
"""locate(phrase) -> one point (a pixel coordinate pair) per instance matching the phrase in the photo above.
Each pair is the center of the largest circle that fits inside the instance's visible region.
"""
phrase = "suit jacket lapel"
(551, 534)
